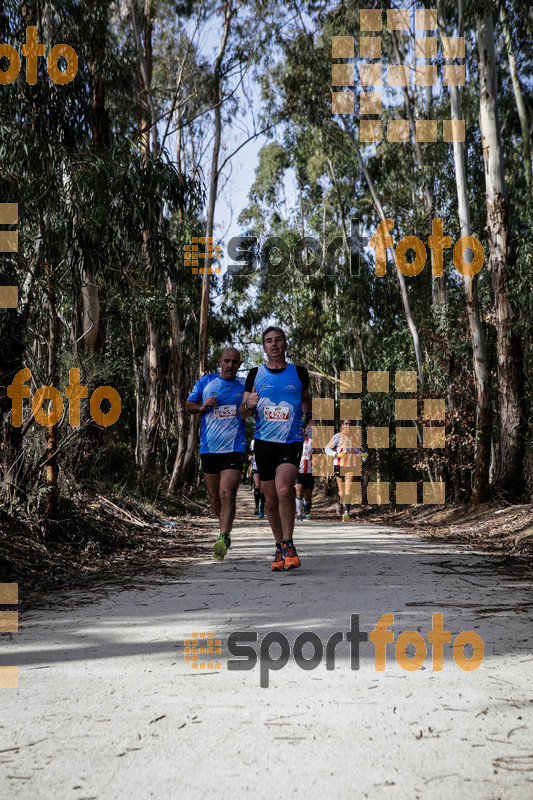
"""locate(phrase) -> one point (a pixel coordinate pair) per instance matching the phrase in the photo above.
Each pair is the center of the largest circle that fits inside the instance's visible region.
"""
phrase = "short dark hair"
(274, 328)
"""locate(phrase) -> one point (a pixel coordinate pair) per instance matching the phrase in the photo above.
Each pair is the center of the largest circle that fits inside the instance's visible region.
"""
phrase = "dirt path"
(107, 707)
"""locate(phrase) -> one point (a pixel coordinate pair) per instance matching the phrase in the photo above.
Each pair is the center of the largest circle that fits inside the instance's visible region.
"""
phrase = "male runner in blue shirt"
(222, 439)
(278, 394)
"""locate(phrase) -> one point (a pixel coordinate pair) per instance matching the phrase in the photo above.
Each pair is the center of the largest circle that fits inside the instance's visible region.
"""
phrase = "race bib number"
(224, 412)
(276, 413)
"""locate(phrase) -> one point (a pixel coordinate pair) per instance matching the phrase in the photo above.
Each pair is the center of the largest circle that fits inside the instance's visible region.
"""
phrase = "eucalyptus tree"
(509, 473)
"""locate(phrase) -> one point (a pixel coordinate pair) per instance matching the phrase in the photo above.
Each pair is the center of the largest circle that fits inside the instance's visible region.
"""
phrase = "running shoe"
(221, 547)
(346, 517)
(339, 511)
(308, 516)
(290, 556)
(256, 511)
(299, 517)
(279, 561)
(261, 512)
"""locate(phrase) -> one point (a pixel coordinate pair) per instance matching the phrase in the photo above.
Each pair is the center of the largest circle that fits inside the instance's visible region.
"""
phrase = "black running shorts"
(306, 479)
(214, 463)
(269, 456)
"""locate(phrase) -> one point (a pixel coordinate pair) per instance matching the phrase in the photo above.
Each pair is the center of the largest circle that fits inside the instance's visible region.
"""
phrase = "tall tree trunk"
(90, 301)
(90, 304)
(149, 143)
(401, 278)
(138, 395)
(152, 407)
(519, 98)
(101, 136)
(186, 424)
(480, 488)
(213, 186)
(50, 509)
(438, 283)
(11, 355)
(509, 471)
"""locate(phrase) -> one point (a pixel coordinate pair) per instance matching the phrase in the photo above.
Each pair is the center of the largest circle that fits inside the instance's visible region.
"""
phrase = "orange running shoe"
(290, 556)
(279, 561)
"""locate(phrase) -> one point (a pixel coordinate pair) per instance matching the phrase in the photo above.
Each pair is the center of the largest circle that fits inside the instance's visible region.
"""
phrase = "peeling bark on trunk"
(152, 407)
(509, 470)
(90, 309)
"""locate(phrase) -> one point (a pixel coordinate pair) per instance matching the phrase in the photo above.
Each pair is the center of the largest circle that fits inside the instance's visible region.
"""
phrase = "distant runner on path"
(305, 481)
(259, 497)
(278, 394)
(222, 439)
(344, 447)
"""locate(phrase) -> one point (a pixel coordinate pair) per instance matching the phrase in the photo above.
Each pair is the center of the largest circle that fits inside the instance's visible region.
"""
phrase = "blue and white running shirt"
(278, 416)
(222, 429)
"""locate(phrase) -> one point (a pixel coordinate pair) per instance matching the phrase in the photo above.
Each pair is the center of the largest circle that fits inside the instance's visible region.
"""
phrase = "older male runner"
(277, 393)
(217, 398)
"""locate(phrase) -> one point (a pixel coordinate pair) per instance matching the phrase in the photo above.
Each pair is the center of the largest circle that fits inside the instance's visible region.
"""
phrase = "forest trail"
(107, 707)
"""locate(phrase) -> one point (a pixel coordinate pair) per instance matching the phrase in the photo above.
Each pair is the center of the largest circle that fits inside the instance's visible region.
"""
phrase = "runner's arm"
(331, 447)
(198, 408)
(194, 403)
(306, 407)
(330, 450)
(245, 409)
(306, 401)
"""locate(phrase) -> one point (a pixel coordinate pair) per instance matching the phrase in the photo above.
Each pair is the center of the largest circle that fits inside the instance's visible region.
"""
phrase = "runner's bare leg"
(212, 481)
(272, 509)
(285, 477)
(340, 486)
(229, 483)
(347, 483)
